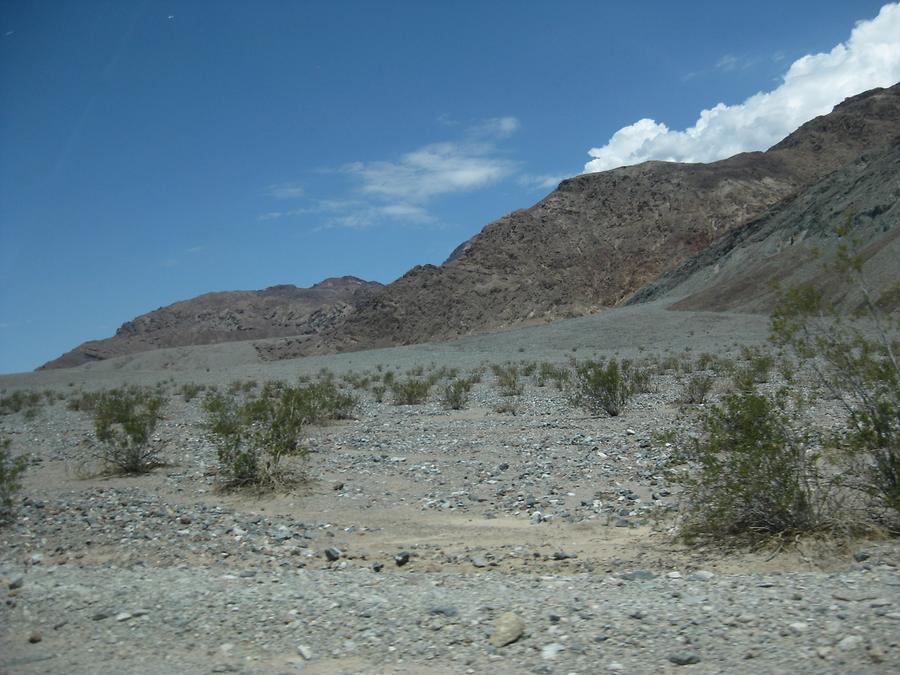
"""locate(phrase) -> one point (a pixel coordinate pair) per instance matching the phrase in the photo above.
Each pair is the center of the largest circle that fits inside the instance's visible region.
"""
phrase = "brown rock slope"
(600, 237)
(796, 243)
(228, 316)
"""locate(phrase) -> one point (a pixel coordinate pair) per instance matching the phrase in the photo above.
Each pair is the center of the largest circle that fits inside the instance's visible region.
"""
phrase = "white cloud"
(812, 86)
(544, 181)
(285, 191)
(440, 168)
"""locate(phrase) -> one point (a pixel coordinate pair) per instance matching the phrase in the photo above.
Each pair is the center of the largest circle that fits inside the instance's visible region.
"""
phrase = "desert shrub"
(510, 406)
(190, 390)
(253, 436)
(853, 358)
(508, 380)
(756, 368)
(85, 401)
(697, 388)
(11, 470)
(389, 378)
(124, 421)
(550, 372)
(378, 392)
(753, 472)
(412, 391)
(28, 403)
(606, 387)
(456, 394)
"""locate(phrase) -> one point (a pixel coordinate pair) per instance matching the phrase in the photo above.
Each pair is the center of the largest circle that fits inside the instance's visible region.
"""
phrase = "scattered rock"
(507, 629)
(305, 652)
(35, 637)
(684, 658)
(332, 554)
(401, 558)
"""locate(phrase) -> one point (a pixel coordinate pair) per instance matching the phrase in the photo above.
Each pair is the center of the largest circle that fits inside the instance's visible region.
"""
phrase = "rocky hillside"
(589, 245)
(792, 244)
(228, 316)
(600, 237)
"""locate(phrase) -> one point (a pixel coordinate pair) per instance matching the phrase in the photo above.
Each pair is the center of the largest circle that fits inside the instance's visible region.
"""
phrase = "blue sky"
(154, 151)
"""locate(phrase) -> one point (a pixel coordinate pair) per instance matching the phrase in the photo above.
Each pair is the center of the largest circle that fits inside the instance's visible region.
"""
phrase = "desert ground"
(520, 534)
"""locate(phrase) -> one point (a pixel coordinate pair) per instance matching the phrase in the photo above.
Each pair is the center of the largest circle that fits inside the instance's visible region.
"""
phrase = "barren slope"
(227, 316)
(599, 237)
(793, 243)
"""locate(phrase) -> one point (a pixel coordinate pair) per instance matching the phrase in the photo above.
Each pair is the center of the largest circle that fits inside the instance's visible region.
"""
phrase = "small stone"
(849, 643)
(35, 637)
(798, 627)
(401, 558)
(880, 602)
(377, 566)
(876, 654)
(185, 520)
(561, 555)
(123, 616)
(639, 575)
(99, 616)
(507, 629)
(685, 658)
(615, 666)
(673, 575)
(536, 518)
(247, 574)
(479, 561)
(630, 432)
(332, 554)
(37, 558)
(861, 556)
(16, 583)
(549, 652)
(337, 487)
(305, 652)
(622, 522)
(824, 653)
(701, 575)
(445, 611)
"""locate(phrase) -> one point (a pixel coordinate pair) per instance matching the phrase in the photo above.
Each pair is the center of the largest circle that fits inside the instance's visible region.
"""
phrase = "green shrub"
(456, 394)
(752, 473)
(28, 403)
(190, 391)
(550, 372)
(853, 358)
(124, 421)
(697, 389)
(253, 436)
(378, 392)
(410, 392)
(83, 401)
(11, 470)
(508, 380)
(606, 387)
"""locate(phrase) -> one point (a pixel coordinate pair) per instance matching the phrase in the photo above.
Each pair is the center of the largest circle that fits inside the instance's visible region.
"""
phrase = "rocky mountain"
(591, 244)
(228, 316)
(795, 243)
(600, 237)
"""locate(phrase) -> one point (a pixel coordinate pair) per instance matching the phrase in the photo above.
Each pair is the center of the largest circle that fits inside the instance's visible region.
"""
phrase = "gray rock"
(401, 558)
(507, 629)
(16, 583)
(305, 652)
(332, 554)
(684, 658)
(639, 575)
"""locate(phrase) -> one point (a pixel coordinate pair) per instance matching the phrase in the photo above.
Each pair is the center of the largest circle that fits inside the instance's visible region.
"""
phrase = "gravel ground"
(422, 540)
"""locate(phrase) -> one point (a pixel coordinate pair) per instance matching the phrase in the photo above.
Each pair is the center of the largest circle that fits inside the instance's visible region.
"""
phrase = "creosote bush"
(253, 435)
(854, 360)
(508, 380)
(697, 389)
(456, 394)
(11, 470)
(753, 473)
(608, 386)
(412, 391)
(124, 421)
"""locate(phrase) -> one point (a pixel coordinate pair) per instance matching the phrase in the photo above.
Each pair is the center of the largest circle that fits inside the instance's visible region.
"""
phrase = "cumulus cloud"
(812, 86)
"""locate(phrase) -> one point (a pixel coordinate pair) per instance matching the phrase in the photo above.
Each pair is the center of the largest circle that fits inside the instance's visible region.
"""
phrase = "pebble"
(849, 643)
(332, 554)
(549, 652)
(684, 658)
(305, 652)
(35, 637)
(401, 558)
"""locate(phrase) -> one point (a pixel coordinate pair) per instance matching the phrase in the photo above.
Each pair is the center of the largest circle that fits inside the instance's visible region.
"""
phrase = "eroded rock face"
(600, 237)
